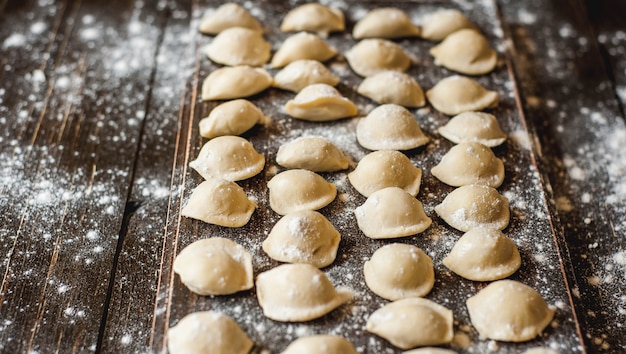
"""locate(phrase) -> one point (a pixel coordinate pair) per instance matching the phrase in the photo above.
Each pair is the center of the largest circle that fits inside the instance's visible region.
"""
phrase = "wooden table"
(98, 120)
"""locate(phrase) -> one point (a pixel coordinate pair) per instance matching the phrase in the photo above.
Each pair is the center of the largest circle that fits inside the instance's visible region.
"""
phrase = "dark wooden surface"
(98, 121)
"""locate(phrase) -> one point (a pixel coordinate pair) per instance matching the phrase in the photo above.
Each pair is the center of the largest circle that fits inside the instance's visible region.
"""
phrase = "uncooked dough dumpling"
(385, 168)
(397, 271)
(303, 237)
(465, 51)
(483, 255)
(315, 18)
(320, 344)
(219, 202)
(440, 24)
(385, 22)
(297, 293)
(207, 332)
(509, 311)
(227, 16)
(296, 190)
(458, 94)
(302, 46)
(302, 73)
(390, 127)
(231, 118)
(232, 158)
(412, 322)
(239, 46)
(474, 206)
(313, 153)
(469, 163)
(371, 56)
(215, 266)
(235, 82)
(540, 350)
(393, 87)
(391, 212)
(430, 350)
(470, 127)
(320, 103)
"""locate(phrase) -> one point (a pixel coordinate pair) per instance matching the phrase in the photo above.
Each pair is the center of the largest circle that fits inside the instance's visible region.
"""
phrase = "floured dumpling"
(303, 237)
(470, 127)
(231, 118)
(320, 103)
(469, 163)
(320, 344)
(385, 22)
(509, 311)
(371, 56)
(207, 332)
(302, 73)
(458, 94)
(465, 51)
(297, 293)
(227, 16)
(440, 24)
(228, 157)
(430, 350)
(390, 127)
(239, 46)
(393, 87)
(219, 202)
(412, 322)
(313, 153)
(397, 271)
(296, 190)
(385, 168)
(313, 18)
(302, 46)
(483, 255)
(474, 206)
(391, 212)
(540, 350)
(215, 266)
(235, 82)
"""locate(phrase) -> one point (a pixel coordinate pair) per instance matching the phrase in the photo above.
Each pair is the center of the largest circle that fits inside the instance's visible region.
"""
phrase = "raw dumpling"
(313, 153)
(297, 293)
(458, 94)
(474, 206)
(227, 16)
(207, 332)
(302, 73)
(239, 46)
(509, 311)
(235, 82)
(232, 158)
(469, 163)
(412, 322)
(371, 56)
(483, 255)
(231, 118)
(313, 18)
(219, 202)
(302, 46)
(303, 237)
(391, 212)
(470, 127)
(390, 127)
(385, 168)
(386, 22)
(540, 350)
(215, 266)
(296, 190)
(399, 271)
(393, 87)
(320, 103)
(320, 344)
(430, 350)
(440, 24)
(465, 51)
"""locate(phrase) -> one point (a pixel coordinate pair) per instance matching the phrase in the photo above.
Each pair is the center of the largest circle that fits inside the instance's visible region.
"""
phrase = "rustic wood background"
(98, 120)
